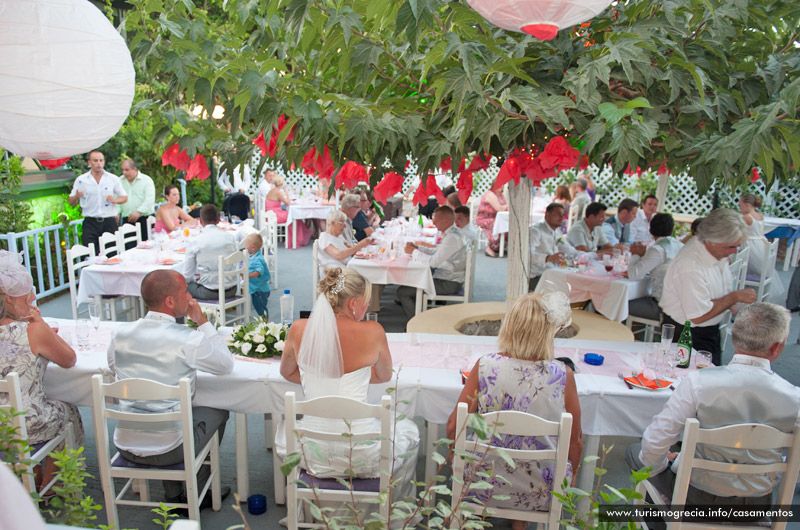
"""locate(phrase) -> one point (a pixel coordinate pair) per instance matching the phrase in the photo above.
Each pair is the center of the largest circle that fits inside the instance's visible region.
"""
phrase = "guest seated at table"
(202, 256)
(453, 201)
(491, 203)
(744, 391)
(548, 246)
(276, 197)
(170, 216)
(366, 199)
(358, 226)
(587, 235)
(27, 343)
(617, 228)
(564, 198)
(336, 353)
(581, 199)
(523, 376)
(448, 259)
(692, 230)
(697, 286)
(640, 227)
(334, 251)
(157, 348)
(653, 261)
(462, 217)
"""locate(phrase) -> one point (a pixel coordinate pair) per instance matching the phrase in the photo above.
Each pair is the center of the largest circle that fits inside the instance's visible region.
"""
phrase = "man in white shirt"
(448, 259)
(581, 199)
(640, 227)
(617, 228)
(587, 235)
(99, 192)
(141, 196)
(653, 261)
(202, 257)
(463, 224)
(156, 347)
(548, 245)
(697, 286)
(266, 183)
(744, 391)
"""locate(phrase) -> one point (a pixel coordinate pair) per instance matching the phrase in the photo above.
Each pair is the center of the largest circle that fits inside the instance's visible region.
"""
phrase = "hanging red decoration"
(350, 175)
(540, 18)
(662, 170)
(391, 184)
(421, 195)
(446, 165)
(559, 154)
(537, 173)
(755, 176)
(508, 171)
(308, 161)
(175, 157)
(198, 167)
(584, 162)
(52, 164)
(433, 189)
(323, 164)
(464, 186)
(261, 143)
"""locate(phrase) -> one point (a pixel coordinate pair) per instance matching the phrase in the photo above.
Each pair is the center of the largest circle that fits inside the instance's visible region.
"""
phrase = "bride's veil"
(320, 354)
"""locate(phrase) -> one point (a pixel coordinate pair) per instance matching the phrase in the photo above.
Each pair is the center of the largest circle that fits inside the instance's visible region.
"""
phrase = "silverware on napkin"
(627, 383)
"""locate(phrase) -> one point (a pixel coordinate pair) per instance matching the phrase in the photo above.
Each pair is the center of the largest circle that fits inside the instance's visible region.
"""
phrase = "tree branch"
(694, 34)
(790, 44)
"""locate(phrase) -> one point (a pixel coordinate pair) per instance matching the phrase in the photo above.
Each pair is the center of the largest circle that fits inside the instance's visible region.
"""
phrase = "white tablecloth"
(414, 272)
(300, 210)
(502, 220)
(609, 295)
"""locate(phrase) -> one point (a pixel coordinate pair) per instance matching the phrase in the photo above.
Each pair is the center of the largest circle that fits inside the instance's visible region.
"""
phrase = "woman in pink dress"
(491, 203)
(171, 216)
(277, 196)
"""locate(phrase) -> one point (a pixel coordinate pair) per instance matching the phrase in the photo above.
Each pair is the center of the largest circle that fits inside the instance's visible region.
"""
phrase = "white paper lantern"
(66, 78)
(540, 18)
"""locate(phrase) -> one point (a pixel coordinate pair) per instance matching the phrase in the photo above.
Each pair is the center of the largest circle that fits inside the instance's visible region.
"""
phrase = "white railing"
(44, 254)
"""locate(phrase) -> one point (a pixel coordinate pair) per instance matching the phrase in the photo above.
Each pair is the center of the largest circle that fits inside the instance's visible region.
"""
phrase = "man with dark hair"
(156, 347)
(581, 199)
(453, 201)
(462, 216)
(653, 261)
(202, 257)
(448, 259)
(548, 246)
(640, 227)
(586, 234)
(99, 193)
(617, 228)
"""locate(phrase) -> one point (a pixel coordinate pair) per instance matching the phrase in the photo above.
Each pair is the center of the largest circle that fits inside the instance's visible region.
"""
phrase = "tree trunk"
(661, 191)
(518, 240)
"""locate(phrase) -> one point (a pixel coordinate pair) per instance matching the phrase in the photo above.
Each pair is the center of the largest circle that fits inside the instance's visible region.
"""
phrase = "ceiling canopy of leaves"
(705, 85)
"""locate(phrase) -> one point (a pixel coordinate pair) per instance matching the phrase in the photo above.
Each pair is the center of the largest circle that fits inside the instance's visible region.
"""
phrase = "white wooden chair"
(269, 233)
(649, 326)
(128, 233)
(465, 295)
(232, 268)
(108, 245)
(114, 467)
(336, 407)
(742, 436)
(738, 270)
(281, 229)
(762, 283)
(151, 223)
(513, 423)
(78, 257)
(10, 386)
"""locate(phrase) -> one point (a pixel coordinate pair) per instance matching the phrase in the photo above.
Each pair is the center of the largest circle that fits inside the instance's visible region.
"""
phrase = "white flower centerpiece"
(259, 338)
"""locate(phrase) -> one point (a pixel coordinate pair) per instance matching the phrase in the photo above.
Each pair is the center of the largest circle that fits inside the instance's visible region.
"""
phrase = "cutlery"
(630, 386)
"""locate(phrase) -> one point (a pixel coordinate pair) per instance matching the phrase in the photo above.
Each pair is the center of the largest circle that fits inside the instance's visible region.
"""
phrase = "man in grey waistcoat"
(744, 391)
(156, 347)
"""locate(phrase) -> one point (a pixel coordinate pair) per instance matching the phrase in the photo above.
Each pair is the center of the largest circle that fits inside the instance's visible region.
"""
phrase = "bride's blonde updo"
(339, 285)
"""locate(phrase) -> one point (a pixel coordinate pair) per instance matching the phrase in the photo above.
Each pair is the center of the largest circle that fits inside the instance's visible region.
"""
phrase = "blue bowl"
(256, 504)
(594, 359)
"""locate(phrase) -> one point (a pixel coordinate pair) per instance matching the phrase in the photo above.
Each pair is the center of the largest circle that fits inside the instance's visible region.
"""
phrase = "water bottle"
(287, 308)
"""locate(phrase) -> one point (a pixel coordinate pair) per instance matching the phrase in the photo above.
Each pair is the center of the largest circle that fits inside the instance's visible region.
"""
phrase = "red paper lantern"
(540, 18)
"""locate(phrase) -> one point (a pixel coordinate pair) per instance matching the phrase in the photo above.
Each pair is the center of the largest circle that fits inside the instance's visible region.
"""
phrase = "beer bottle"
(685, 346)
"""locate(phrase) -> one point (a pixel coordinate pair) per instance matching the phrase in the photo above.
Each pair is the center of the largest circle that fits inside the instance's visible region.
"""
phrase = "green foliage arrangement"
(12, 446)
(69, 506)
(15, 215)
(259, 338)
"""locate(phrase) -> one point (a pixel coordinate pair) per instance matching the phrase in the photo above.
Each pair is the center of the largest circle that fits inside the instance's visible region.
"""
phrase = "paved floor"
(294, 273)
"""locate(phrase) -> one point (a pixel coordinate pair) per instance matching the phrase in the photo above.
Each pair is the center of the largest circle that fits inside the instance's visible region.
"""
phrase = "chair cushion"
(216, 300)
(754, 278)
(359, 484)
(120, 461)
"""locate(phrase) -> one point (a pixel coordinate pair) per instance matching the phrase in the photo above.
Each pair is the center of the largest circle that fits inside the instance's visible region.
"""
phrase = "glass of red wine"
(608, 263)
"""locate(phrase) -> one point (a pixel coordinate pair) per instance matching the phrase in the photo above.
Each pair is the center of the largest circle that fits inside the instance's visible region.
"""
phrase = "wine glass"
(667, 334)
(94, 316)
(82, 334)
(608, 263)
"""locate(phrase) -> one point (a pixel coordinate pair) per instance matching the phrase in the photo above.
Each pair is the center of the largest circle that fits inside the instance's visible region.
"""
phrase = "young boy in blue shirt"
(259, 275)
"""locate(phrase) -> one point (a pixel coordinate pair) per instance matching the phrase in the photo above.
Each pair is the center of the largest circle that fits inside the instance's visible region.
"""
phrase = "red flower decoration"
(446, 165)
(755, 175)
(198, 168)
(261, 143)
(272, 149)
(350, 175)
(584, 162)
(479, 162)
(662, 170)
(176, 158)
(324, 165)
(464, 186)
(391, 184)
(433, 189)
(52, 164)
(508, 171)
(421, 195)
(308, 161)
(536, 173)
(408, 163)
(558, 153)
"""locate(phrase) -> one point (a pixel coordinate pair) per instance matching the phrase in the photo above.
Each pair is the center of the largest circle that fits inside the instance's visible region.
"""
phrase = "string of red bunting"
(178, 158)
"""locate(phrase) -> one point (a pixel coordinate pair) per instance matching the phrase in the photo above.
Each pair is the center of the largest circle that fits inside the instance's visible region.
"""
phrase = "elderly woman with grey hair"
(698, 285)
(333, 249)
(358, 225)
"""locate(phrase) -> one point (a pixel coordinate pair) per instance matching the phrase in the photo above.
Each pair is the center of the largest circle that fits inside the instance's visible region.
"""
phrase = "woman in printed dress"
(491, 203)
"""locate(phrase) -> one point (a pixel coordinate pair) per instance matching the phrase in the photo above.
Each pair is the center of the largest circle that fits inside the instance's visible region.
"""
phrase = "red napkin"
(112, 260)
(641, 380)
(168, 262)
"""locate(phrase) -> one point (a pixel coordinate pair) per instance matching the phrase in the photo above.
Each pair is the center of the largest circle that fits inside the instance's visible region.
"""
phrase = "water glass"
(667, 334)
(82, 334)
(372, 316)
(702, 359)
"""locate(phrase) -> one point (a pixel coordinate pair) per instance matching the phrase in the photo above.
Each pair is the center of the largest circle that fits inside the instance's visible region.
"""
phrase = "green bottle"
(685, 346)
(378, 209)
(420, 220)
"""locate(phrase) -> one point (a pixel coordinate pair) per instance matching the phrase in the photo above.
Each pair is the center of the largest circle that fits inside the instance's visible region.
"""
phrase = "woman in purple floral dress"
(524, 377)
(27, 343)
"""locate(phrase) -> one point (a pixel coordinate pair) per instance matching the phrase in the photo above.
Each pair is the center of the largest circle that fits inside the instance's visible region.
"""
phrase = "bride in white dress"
(336, 353)
(749, 204)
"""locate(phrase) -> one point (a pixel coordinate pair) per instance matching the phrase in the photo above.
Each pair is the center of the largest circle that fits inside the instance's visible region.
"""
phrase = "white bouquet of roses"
(258, 338)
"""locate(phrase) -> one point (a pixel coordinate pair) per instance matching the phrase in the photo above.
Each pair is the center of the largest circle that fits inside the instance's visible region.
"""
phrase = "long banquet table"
(428, 378)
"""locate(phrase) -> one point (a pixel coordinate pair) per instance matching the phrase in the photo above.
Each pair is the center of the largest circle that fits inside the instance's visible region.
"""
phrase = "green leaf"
(289, 462)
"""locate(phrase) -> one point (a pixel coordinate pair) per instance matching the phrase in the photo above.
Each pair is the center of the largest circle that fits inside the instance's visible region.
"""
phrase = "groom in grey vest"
(744, 391)
(156, 347)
